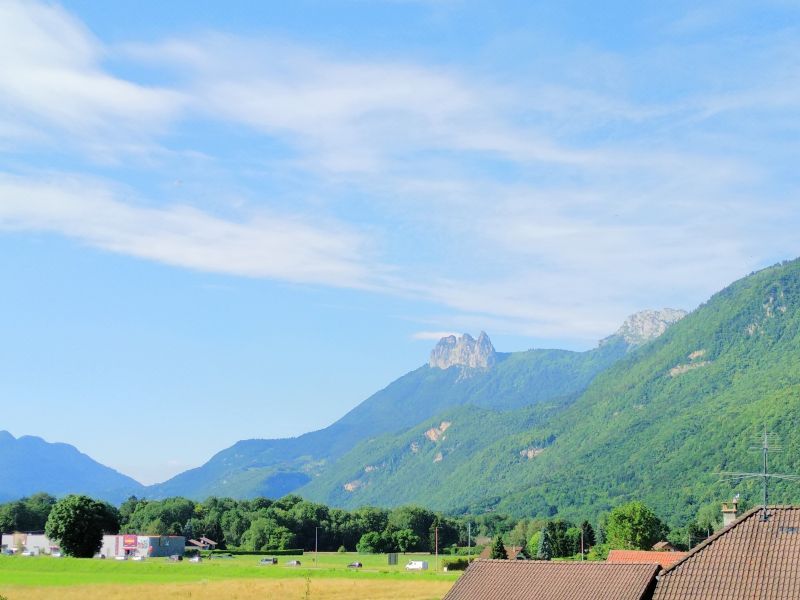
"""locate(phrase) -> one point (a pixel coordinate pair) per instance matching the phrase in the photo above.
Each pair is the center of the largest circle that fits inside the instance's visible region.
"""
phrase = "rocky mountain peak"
(463, 351)
(647, 325)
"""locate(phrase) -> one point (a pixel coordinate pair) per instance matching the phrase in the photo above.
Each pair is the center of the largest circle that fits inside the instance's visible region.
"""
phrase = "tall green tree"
(371, 543)
(498, 549)
(634, 526)
(545, 549)
(77, 524)
(589, 538)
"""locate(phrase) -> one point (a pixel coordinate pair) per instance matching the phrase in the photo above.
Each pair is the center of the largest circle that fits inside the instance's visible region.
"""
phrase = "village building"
(112, 546)
(203, 543)
(145, 546)
(664, 547)
(34, 543)
(756, 556)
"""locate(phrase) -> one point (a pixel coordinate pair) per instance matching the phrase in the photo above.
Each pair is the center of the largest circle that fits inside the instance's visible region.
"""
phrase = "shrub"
(456, 564)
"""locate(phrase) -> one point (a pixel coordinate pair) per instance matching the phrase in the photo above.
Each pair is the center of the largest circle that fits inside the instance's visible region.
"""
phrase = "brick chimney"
(729, 511)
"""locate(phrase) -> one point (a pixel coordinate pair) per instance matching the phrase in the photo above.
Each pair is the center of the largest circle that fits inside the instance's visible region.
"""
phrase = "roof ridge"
(584, 563)
(718, 534)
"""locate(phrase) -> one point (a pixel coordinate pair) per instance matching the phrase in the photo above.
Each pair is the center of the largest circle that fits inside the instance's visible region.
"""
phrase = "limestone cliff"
(646, 325)
(463, 351)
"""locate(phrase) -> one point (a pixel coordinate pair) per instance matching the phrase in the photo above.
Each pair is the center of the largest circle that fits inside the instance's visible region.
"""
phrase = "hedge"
(287, 552)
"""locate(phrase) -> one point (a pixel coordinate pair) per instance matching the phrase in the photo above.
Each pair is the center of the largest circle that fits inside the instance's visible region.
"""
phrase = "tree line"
(262, 524)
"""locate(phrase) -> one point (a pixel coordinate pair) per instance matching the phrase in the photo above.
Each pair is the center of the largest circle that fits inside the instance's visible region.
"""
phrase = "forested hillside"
(275, 467)
(659, 426)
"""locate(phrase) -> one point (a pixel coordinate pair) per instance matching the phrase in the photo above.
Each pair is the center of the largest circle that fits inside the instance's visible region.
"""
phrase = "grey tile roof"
(545, 580)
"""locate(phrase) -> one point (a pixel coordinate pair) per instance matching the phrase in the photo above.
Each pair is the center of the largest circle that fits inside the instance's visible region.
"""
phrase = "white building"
(36, 543)
(127, 545)
(131, 545)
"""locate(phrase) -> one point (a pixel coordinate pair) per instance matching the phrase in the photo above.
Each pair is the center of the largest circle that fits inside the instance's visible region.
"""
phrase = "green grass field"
(17, 572)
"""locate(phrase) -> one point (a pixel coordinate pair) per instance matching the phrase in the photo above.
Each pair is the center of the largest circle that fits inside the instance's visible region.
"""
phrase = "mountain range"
(655, 412)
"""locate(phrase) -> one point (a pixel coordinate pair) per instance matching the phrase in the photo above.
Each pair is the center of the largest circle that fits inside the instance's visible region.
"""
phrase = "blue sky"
(235, 220)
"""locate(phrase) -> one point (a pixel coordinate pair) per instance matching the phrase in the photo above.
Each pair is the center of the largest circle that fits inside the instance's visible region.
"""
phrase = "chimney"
(729, 511)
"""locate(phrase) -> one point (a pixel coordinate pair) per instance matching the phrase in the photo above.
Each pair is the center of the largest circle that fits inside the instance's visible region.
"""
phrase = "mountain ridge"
(29, 461)
(658, 426)
(495, 380)
(483, 377)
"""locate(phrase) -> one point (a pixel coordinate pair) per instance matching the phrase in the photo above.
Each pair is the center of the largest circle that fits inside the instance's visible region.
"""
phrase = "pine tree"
(498, 549)
(588, 535)
(545, 551)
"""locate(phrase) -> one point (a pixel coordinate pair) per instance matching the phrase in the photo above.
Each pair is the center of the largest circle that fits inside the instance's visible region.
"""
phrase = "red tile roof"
(665, 559)
(751, 558)
(545, 580)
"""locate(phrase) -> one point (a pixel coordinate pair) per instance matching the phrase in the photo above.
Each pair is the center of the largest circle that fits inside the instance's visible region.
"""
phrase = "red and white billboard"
(129, 542)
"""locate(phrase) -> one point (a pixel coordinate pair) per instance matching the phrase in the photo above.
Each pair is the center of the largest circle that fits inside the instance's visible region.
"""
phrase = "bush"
(342, 549)
(456, 564)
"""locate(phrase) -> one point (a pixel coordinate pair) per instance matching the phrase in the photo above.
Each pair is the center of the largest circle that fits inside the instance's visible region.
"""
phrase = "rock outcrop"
(646, 325)
(463, 351)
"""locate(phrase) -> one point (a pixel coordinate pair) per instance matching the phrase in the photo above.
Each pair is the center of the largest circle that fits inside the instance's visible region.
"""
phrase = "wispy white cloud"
(547, 206)
(283, 247)
(52, 77)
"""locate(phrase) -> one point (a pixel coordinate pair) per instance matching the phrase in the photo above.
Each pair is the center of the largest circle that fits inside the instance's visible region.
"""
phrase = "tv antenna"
(768, 442)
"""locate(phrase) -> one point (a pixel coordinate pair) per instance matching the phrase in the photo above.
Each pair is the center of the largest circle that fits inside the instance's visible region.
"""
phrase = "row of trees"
(290, 522)
(632, 526)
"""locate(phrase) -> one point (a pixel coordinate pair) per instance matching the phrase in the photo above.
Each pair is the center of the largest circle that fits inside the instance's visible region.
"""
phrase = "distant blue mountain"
(29, 465)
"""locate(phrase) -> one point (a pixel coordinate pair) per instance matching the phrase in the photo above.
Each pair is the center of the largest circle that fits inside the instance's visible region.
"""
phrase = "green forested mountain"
(658, 426)
(29, 465)
(275, 467)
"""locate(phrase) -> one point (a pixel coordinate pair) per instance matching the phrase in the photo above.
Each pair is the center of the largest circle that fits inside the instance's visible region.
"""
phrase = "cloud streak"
(56, 80)
(543, 206)
(263, 245)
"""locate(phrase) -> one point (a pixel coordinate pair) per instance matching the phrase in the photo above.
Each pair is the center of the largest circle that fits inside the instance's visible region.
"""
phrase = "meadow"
(241, 577)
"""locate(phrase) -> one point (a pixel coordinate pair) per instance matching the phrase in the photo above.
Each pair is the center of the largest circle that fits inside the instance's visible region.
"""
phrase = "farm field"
(239, 577)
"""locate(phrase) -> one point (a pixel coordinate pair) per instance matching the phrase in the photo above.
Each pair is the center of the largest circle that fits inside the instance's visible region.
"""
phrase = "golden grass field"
(322, 577)
(246, 589)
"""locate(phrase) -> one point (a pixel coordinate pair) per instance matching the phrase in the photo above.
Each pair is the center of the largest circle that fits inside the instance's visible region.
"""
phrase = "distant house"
(203, 543)
(665, 559)
(664, 547)
(546, 580)
(512, 552)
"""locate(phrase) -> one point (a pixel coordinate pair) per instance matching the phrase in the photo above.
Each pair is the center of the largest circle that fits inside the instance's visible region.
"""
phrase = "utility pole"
(581, 544)
(436, 544)
(316, 544)
(469, 541)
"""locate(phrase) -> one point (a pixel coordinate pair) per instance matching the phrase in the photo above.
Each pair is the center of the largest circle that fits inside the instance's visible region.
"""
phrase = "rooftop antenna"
(768, 442)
